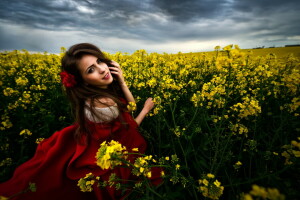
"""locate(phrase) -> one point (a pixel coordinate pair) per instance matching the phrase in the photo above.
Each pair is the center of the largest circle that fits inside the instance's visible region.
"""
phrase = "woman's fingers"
(115, 64)
(149, 104)
(116, 70)
(113, 69)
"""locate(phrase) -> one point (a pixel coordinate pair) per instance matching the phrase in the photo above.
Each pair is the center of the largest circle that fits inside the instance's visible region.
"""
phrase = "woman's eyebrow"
(89, 67)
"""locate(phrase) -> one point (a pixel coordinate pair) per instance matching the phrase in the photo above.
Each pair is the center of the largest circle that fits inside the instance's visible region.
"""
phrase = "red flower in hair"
(68, 80)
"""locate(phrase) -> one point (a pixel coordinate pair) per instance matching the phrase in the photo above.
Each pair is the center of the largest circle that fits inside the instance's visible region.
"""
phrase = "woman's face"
(94, 71)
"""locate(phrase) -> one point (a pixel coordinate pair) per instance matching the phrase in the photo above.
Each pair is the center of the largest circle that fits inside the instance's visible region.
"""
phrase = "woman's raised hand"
(149, 104)
(117, 71)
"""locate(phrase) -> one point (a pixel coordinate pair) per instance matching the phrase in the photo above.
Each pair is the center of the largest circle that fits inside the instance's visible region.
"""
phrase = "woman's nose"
(101, 69)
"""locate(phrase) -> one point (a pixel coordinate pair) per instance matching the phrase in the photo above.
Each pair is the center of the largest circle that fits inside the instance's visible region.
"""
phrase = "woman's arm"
(149, 104)
(116, 69)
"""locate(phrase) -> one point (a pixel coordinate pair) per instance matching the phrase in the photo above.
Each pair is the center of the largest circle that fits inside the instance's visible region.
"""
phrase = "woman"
(99, 96)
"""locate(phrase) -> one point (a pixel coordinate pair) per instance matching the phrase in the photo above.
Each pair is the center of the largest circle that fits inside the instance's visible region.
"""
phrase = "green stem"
(259, 178)
(193, 118)
(153, 191)
(19, 193)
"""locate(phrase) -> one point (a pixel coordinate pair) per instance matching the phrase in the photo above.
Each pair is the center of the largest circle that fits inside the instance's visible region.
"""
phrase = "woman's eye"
(99, 61)
(90, 70)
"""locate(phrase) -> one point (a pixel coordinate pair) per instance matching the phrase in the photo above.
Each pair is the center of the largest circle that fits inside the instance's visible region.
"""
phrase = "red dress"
(59, 162)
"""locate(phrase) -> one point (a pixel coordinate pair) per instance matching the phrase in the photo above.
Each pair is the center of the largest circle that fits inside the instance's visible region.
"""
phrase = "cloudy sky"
(154, 25)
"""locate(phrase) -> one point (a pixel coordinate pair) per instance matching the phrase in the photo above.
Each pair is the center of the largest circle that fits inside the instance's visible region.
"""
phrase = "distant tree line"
(289, 45)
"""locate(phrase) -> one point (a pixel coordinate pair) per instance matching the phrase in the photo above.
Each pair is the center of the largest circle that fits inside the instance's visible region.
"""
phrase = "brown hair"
(80, 93)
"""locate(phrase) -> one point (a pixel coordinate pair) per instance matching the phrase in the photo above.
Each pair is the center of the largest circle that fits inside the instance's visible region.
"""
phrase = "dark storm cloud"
(262, 7)
(185, 11)
(41, 14)
(277, 17)
(147, 22)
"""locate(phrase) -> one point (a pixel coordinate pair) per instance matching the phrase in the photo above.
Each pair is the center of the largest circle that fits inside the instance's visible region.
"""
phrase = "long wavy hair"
(80, 93)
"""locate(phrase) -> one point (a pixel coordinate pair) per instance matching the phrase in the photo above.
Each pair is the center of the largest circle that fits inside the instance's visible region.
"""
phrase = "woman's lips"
(106, 76)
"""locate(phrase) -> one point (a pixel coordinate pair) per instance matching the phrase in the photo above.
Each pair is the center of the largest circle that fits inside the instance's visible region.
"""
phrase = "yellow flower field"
(230, 118)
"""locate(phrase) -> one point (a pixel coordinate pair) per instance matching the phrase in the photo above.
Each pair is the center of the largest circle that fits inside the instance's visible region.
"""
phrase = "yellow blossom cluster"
(249, 107)
(6, 162)
(210, 187)
(25, 132)
(3, 198)
(39, 140)
(178, 131)
(239, 129)
(212, 93)
(131, 106)
(294, 106)
(6, 123)
(291, 151)
(21, 81)
(110, 154)
(259, 192)
(142, 166)
(86, 183)
(24, 79)
(237, 165)
(9, 91)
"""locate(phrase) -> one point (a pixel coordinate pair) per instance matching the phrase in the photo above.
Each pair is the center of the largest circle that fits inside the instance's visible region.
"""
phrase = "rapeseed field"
(226, 124)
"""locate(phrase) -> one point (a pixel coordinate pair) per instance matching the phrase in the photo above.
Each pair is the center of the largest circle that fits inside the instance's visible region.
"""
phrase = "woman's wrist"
(123, 84)
(141, 116)
(145, 111)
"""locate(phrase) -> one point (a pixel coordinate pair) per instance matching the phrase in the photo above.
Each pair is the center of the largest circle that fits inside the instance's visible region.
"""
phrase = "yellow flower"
(21, 81)
(212, 191)
(247, 197)
(238, 163)
(217, 183)
(205, 182)
(259, 192)
(210, 175)
(25, 132)
(142, 169)
(149, 174)
(296, 153)
(109, 155)
(7, 162)
(131, 106)
(39, 140)
(295, 143)
(135, 149)
(85, 184)
(142, 166)
(177, 167)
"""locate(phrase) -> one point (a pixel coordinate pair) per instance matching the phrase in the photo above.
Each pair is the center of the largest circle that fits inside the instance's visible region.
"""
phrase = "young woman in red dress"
(99, 96)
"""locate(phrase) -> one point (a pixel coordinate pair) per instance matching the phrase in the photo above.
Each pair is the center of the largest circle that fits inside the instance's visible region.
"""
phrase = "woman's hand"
(149, 104)
(117, 71)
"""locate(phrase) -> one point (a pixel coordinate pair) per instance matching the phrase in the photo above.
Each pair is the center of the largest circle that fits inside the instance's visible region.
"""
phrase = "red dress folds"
(60, 161)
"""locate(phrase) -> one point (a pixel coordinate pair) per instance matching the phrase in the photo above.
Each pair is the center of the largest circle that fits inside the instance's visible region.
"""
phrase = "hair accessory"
(67, 79)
